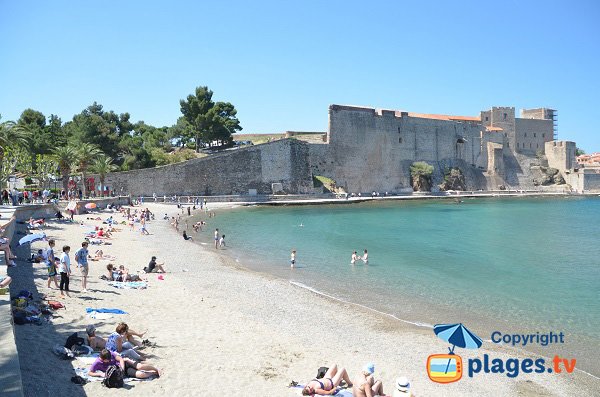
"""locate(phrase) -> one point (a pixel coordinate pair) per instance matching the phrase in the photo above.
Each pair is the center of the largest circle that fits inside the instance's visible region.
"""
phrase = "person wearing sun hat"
(365, 384)
(402, 388)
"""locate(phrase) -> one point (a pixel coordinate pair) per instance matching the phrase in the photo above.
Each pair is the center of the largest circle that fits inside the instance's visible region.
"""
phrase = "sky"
(282, 63)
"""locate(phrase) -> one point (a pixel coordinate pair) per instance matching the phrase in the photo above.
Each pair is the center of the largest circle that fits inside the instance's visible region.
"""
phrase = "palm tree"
(12, 136)
(86, 153)
(103, 165)
(66, 157)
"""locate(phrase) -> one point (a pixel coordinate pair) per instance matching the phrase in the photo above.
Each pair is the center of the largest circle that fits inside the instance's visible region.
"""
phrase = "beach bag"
(321, 372)
(55, 305)
(63, 352)
(113, 377)
(19, 317)
(73, 340)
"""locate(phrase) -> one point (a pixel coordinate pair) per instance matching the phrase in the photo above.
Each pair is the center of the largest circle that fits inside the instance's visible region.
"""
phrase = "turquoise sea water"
(511, 265)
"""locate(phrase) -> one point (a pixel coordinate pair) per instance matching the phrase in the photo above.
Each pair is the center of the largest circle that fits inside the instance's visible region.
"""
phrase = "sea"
(527, 265)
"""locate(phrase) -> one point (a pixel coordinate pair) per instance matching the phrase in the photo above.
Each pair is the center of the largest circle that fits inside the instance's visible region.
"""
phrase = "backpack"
(113, 377)
(19, 317)
(73, 340)
(321, 372)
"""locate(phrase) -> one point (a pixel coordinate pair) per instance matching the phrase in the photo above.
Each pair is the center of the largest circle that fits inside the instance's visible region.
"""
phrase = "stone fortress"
(367, 150)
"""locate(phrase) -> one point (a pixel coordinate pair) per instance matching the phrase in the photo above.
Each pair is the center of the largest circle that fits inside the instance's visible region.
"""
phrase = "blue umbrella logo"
(457, 335)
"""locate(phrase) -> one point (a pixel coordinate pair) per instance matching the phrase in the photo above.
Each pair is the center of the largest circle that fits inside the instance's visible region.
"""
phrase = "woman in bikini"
(327, 385)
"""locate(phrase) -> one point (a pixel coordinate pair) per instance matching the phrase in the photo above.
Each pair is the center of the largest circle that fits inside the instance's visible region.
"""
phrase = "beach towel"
(99, 316)
(84, 373)
(340, 392)
(88, 359)
(103, 310)
(129, 284)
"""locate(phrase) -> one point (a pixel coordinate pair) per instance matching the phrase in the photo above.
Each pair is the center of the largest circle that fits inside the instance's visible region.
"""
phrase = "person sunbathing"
(327, 384)
(102, 233)
(131, 368)
(35, 223)
(119, 342)
(5, 246)
(366, 385)
(126, 276)
(130, 336)
(94, 341)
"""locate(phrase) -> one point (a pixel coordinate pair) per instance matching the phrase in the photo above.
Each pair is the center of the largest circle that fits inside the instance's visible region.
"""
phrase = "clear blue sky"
(281, 63)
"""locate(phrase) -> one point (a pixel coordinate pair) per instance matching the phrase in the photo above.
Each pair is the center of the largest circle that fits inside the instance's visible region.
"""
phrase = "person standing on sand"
(50, 263)
(143, 229)
(81, 257)
(65, 270)
(293, 258)
(216, 238)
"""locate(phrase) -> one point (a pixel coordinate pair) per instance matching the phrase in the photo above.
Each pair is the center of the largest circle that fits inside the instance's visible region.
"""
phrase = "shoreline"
(239, 331)
(482, 319)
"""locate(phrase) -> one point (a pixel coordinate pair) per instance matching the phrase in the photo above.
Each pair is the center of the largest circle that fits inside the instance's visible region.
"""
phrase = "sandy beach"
(222, 330)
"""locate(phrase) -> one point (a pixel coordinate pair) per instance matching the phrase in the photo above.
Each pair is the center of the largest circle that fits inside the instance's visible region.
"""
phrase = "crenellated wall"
(373, 150)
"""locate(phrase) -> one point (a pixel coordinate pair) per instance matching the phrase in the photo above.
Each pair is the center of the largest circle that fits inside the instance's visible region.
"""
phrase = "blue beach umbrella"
(457, 335)
(31, 238)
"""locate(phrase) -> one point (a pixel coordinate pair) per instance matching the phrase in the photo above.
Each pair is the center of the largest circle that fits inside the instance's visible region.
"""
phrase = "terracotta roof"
(443, 117)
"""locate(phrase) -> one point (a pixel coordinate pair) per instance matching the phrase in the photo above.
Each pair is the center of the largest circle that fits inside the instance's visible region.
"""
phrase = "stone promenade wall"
(283, 161)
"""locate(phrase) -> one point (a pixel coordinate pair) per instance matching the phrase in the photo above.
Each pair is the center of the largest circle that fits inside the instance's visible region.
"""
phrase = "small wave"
(311, 289)
(415, 323)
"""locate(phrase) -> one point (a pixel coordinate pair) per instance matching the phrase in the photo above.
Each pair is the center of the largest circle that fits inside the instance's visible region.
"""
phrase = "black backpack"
(73, 340)
(113, 377)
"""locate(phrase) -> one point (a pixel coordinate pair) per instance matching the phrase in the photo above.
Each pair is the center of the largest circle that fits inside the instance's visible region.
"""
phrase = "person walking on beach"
(143, 229)
(64, 269)
(293, 258)
(216, 238)
(50, 263)
(365, 257)
(81, 257)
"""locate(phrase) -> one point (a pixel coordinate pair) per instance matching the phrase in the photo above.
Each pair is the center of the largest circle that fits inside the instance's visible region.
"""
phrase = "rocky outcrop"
(550, 176)
(453, 180)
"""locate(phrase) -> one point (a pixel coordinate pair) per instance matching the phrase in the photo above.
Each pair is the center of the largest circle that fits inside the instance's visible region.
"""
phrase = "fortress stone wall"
(372, 150)
(367, 149)
(233, 172)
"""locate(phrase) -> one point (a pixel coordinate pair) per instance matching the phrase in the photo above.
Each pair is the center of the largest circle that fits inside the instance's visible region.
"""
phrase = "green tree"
(182, 133)
(86, 153)
(579, 152)
(12, 136)
(55, 132)
(96, 127)
(421, 173)
(208, 120)
(66, 159)
(102, 166)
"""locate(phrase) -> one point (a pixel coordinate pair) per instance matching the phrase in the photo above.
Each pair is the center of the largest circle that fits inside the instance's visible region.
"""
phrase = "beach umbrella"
(31, 238)
(457, 335)
(90, 206)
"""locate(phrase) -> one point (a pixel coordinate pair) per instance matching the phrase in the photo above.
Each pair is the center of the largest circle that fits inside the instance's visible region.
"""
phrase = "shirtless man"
(365, 257)
(365, 385)
(95, 342)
